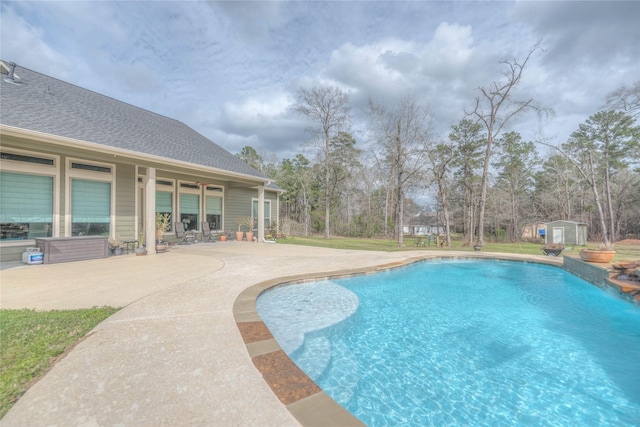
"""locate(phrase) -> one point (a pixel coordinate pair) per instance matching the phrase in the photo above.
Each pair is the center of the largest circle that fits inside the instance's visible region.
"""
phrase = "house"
(78, 163)
(566, 233)
(424, 224)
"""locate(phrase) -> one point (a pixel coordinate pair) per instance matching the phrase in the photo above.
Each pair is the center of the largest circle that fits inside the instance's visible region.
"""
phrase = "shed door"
(558, 235)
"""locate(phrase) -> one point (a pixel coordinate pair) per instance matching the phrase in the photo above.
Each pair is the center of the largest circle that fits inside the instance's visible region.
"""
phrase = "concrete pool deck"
(174, 354)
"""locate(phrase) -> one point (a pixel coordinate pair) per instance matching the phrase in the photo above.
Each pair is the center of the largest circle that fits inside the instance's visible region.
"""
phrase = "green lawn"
(624, 253)
(410, 245)
(32, 340)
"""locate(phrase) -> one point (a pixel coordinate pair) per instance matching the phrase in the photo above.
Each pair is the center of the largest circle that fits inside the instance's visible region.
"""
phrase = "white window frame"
(213, 193)
(88, 175)
(255, 220)
(27, 168)
(174, 199)
(195, 191)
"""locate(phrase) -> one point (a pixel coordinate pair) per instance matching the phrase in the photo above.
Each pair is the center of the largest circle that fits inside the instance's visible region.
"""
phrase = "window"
(26, 206)
(28, 195)
(214, 212)
(27, 159)
(90, 207)
(164, 205)
(189, 208)
(91, 199)
(92, 168)
(267, 212)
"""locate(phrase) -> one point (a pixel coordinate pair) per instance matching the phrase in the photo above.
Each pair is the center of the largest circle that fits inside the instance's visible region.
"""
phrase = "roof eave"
(76, 143)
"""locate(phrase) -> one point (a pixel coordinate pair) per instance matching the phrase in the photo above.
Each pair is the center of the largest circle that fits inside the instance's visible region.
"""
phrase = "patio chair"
(206, 232)
(181, 233)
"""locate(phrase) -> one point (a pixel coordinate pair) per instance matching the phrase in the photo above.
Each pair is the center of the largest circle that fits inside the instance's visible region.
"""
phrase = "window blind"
(214, 205)
(90, 201)
(189, 203)
(26, 198)
(164, 201)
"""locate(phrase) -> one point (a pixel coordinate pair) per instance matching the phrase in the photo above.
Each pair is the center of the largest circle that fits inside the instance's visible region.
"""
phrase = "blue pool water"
(464, 342)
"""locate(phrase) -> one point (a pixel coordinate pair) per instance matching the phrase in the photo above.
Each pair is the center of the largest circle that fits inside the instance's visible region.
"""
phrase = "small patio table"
(129, 245)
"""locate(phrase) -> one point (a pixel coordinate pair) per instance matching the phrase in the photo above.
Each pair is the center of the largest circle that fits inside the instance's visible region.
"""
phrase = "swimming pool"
(465, 342)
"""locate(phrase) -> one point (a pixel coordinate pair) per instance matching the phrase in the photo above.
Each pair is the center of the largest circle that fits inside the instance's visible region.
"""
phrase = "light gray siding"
(238, 202)
(125, 209)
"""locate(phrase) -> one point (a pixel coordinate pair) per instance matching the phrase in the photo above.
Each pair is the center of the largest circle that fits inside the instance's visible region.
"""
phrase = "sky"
(231, 70)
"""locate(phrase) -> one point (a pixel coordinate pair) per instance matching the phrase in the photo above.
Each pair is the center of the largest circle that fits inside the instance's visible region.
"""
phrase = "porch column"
(150, 210)
(260, 213)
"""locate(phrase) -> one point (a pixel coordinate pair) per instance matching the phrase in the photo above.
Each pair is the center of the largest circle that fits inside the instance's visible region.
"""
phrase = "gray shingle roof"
(44, 104)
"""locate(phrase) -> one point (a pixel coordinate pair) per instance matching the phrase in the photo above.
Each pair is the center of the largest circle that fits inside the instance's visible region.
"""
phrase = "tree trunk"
(514, 217)
(327, 181)
(607, 189)
(596, 196)
(483, 191)
(399, 220)
(445, 208)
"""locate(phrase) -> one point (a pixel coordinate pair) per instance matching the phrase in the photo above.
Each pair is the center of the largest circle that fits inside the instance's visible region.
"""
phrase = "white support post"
(260, 213)
(150, 210)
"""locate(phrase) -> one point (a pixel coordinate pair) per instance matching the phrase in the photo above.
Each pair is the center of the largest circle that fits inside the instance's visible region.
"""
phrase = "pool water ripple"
(469, 343)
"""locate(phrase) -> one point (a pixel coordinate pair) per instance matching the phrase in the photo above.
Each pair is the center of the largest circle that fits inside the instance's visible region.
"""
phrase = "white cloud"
(452, 46)
(231, 69)
(265, 122)
(23, 43)
(374, 69)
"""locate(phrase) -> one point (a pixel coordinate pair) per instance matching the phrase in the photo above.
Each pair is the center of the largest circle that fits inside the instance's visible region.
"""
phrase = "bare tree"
(597, 149)
(494, 107)
(328, 107)
(400, 136)
(626, 99)
(440, 157)
(557, 188)
(516, 159)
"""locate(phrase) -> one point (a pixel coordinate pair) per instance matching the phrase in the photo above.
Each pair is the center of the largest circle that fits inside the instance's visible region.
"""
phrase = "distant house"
(75, 162)
(566, 232)
(423, 224)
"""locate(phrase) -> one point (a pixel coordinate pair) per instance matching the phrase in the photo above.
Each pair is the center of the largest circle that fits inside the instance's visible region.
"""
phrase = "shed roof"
(44, 104)
(566, 221)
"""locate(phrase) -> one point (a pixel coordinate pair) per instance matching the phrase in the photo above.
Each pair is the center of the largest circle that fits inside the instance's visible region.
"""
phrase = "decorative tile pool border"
(302, 397)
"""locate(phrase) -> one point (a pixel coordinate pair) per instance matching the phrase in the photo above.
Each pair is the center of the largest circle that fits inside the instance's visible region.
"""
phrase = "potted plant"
(141, 249)
(240, 221)
(163, 222)
(249, 222)
(603, 254)
(115, 243)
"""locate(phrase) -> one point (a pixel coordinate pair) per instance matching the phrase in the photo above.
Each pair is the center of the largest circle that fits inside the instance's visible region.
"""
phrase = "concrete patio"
(173, 355)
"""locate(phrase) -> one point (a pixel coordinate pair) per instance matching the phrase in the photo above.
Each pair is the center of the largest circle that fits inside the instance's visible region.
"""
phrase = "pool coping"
(302, 397)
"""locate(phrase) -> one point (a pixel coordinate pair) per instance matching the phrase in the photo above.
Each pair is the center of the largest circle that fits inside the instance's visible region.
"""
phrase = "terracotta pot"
(239, 235)
(223, 237)
(161, 247)
(249, 236)
(595, 255)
